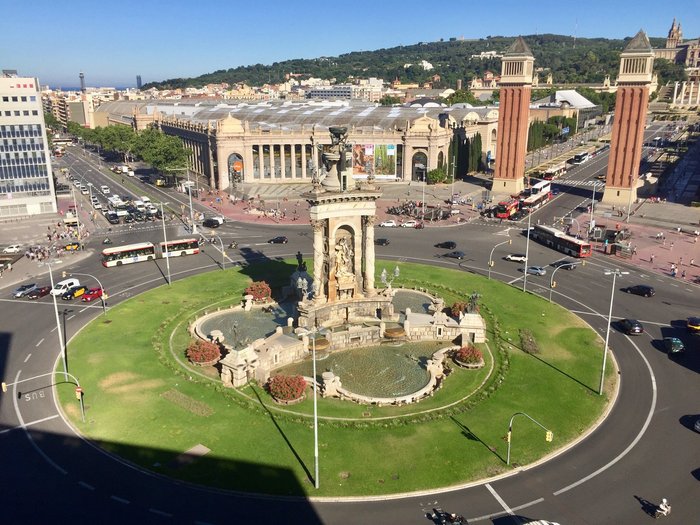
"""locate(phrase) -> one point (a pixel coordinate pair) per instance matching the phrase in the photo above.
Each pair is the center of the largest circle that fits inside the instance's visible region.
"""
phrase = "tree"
(388, 100)
(437, 176)
(52, 122)
(463, 95)
(668, 71)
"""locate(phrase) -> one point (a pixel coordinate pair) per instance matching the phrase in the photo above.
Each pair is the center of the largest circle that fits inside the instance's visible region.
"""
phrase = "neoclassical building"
(282, 142)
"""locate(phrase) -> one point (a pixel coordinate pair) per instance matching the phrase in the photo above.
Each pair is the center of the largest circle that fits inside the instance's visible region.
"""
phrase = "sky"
(112, 42)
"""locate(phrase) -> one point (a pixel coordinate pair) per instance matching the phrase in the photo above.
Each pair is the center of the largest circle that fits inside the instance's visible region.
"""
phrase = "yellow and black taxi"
(74, 293)
(72, 246)
(693, 325)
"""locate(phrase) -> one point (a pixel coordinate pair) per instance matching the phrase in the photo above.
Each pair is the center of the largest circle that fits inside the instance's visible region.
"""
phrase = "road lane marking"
(496, 514)
(27, 358)
(71, 317)
(29, 424)
(53, 329)
(499, 499)
(86, 485)
(81, 311)
(160, 513)
(120, 500)
(41, 341)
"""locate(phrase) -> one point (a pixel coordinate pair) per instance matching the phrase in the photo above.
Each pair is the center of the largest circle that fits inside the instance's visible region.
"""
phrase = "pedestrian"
(692, 262)
(671, 247)
(651, 258)
(683, 274)
(680, 261)
(634, 250)
(9, 266)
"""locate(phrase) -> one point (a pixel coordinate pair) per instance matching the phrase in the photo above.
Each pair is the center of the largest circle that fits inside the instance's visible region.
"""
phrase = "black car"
(455, 255)
(112, 218)
(631, 327)
(640, 289)
(39, 292)
(381, 242)
(211, 222)
(74, 292)
(128, 218)
(447, 245)
(278, 240)
(566, 264)
(517, 215)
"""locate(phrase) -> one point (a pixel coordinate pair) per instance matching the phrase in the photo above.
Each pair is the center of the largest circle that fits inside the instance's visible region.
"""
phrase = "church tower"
(675, 36)
(513, 118)
(631, 104)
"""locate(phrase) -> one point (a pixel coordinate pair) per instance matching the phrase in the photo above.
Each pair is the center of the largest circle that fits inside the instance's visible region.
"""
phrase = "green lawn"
(145, 403)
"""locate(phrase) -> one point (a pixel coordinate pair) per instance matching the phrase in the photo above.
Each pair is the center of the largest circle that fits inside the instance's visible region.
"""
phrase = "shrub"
(469, 355)
(457, 308)
(201, 351)
(527, 342)
(260, 291)
(286, 388)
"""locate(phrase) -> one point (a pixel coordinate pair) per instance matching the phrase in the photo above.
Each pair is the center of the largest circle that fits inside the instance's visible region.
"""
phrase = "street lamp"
(58, 324)
(104, 304)
(189, 192)
(425, 174)
(491, 263)
(77, 213)
(615, 273)
(527, 249)
(314, 332)
(553, 283)
(165, 240)
(590, 223)
(223, 253)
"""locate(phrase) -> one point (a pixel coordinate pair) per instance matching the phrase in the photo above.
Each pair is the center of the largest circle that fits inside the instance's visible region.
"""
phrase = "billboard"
(378, 158)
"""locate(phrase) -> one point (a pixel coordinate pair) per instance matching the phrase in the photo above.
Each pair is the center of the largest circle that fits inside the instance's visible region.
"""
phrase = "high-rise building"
(26, 183)
(82, 82)
(138, 82)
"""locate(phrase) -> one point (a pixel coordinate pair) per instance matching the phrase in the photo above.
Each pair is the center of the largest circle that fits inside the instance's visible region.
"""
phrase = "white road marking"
(161, 513)
(499, 499)
(41, 341)
(120, 500)
(53, 329)
(27, 358)
(519, 507)
(29, 424)
(81, 311)
(86, 485)
(71, 317)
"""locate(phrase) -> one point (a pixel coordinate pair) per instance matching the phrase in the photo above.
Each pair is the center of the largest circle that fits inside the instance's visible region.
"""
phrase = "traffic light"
(508, 436)
(4, 386)
(554, 284)
(549, 436)
(64, 274)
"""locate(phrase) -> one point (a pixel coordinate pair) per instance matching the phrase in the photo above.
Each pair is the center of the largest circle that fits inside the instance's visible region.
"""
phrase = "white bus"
(130, 253)
(179, 247)
(540, 193)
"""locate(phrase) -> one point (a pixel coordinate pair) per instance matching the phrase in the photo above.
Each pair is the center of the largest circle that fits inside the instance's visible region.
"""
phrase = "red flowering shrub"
(260, 291)
(469, 355)
(201, 351)
(457, 308)
(286, 388)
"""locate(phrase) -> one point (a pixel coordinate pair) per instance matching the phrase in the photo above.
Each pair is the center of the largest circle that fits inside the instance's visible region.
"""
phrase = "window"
(35, 112)
(32, 99)
(14, 99)
(5, 99)
(25, 112)
(23, 99)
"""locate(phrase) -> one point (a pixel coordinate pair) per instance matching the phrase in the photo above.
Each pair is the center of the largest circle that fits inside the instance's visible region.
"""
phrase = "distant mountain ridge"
(571, 60)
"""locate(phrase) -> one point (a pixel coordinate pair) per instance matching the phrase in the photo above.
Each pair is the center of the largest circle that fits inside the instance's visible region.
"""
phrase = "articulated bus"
(580, 158)
(561, 242)
(554, 172)
(539, 194)
(146, 251)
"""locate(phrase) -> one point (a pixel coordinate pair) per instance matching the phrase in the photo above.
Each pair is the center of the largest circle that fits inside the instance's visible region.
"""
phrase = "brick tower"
(513, 118)
(631, 103)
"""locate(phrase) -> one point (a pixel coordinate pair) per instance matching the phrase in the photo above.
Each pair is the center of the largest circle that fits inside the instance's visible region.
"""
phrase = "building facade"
(26, 183)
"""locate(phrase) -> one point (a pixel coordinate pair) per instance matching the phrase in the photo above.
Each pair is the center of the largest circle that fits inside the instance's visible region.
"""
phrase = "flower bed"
(286, 389)
(203, 353)
(468, 357)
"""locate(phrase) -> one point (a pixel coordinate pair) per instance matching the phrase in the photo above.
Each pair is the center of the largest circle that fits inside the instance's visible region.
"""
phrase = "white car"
(13, 248)
(388, 224)
(409, 224)
(517, 257)
(105, 190)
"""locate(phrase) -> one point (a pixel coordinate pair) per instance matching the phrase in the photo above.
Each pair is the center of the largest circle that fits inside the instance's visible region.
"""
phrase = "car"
(105, 189)
(409, 224)
(84, 190)
(212, 222)
(674, 347)
(97, 205)
(72, 246)
(536, 270)
(566, 264)
(91, 294)
(555, 191)
(601, 176)
(112, 218)
(23, 290)
(640, 289)
(693, 325)
(516, 257)
(12, 248)
(632, 327)
(39, 292)
(128, 218)
(381, 242)
(517, 215)
(447, 245)
(278, 240)
(74, 293)
(455, 255)
(388, 224)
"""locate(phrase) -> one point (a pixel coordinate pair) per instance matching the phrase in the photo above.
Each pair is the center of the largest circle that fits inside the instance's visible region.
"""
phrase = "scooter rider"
(664, 508)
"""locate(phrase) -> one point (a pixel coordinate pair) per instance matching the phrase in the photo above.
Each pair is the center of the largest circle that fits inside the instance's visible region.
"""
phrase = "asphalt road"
(645, 449)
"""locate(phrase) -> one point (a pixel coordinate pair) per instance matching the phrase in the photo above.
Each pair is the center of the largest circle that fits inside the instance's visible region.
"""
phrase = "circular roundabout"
(149, 405)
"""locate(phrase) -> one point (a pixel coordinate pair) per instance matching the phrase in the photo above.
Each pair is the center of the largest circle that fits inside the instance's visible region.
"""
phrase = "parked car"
(693, 325)
(409, 224)
(74, 293)
(23, 290)
(213, 222)
(631, 327)
(381, 242)
(566, 264)
(455, 255)
(447, 245)
(674, 347)
(516, 257)
(281, 239)
(640, 289)
(388, 224)
(12, 248)
(39, 292)
(91, 294)
(536, 270)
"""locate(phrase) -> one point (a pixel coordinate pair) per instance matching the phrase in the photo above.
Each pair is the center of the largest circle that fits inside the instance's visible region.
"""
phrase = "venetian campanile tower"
(631, 104)
(513, 118)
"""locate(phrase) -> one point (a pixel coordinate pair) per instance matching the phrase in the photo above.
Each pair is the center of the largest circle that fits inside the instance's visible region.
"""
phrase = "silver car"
(536, 270)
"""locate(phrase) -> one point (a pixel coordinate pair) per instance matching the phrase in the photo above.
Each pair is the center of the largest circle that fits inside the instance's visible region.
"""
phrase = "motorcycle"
(107, 240)
(233, 245)
(660, 513)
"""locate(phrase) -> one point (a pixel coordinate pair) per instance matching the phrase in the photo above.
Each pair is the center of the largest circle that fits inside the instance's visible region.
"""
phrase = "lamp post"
(189, 192)
(549, 435)
(58, 324)
(165, 240)
(509, 241)
(629, 201)
(590, 223)
(615, 273)
(552, 282)
(77, 213)
(314, 332)
(104, 305)
(425, 175)
(223, 253)
(527, 250)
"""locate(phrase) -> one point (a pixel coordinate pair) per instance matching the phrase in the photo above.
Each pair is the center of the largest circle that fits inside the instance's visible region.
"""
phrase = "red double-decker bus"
(505, 209)
(560, 241)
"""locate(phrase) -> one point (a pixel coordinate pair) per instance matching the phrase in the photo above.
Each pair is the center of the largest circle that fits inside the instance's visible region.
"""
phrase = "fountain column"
(369, 255)
(675, 93)
(319, 256)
